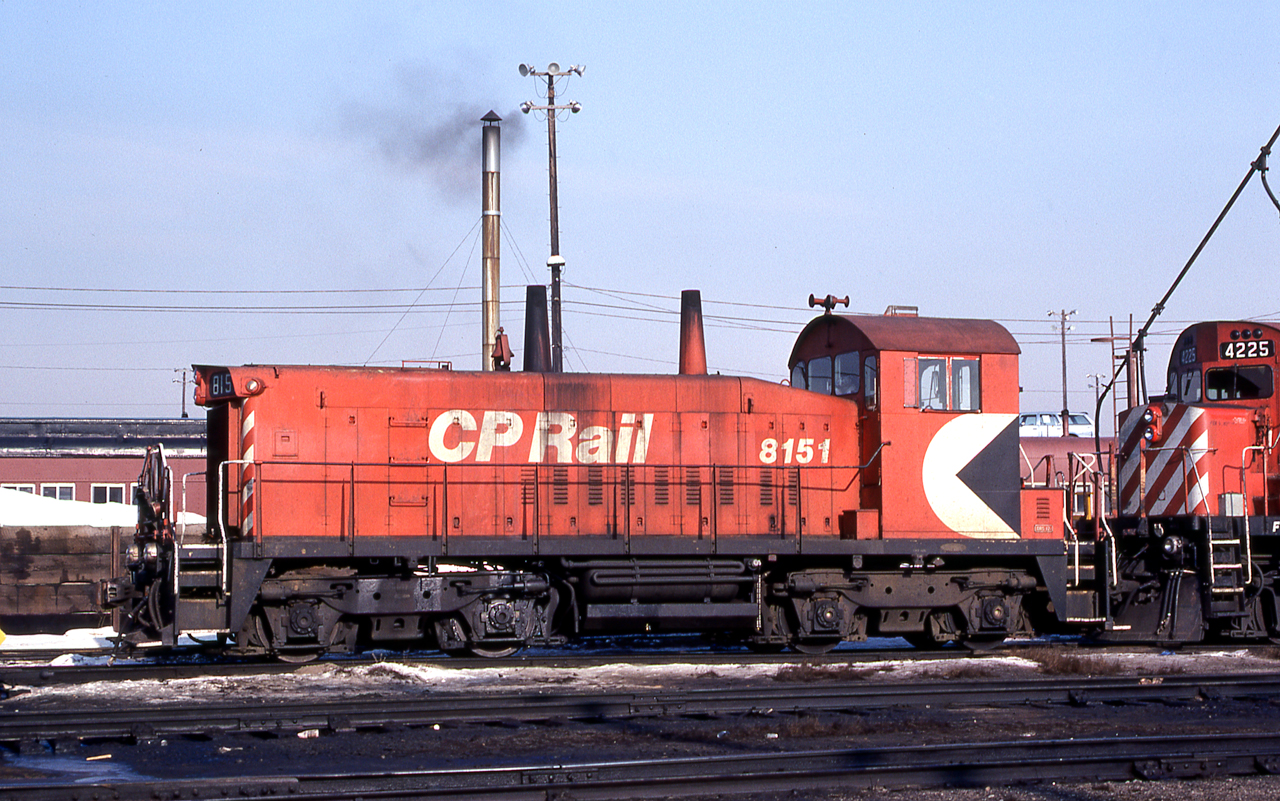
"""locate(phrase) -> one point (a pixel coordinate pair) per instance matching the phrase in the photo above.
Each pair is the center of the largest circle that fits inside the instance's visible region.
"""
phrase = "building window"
(106, 493)
(62, 492)
(30, 489)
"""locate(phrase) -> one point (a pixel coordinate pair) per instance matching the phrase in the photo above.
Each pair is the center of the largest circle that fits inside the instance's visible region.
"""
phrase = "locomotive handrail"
(1113, 559)
(1248, 537)
(182, 536)
(455, 474)
(1188, 462)
(1083, 469)
(221, 523)
(1262, 449)
(1031, 468)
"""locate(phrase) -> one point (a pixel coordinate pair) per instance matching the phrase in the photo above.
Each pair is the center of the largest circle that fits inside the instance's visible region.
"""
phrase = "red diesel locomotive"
(1199, 493)
(878, 494)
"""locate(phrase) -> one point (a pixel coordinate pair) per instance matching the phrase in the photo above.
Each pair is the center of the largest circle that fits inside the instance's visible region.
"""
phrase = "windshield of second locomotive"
(827, 375)
(1222, 362)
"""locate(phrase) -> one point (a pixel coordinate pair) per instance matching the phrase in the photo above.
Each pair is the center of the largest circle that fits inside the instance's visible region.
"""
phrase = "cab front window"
(820, 375)
(1238, 383)
(848, 373)
(1189, 389)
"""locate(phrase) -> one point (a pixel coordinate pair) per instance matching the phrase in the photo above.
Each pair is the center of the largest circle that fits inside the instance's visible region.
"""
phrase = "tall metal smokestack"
(537, 339)
(693, 349)
(491, 144)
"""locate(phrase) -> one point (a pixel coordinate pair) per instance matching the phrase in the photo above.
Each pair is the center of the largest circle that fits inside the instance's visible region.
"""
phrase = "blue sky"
(976, 160)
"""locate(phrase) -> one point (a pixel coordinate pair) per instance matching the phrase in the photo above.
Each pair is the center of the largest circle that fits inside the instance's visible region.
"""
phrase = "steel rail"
(967, 765)
(19, 726)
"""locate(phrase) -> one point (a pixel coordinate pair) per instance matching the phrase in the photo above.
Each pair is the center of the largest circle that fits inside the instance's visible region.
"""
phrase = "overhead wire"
(462, 275)
(418, 257)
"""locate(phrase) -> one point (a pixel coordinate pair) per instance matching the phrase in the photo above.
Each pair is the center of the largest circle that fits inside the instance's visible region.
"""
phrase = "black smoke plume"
(423, 131)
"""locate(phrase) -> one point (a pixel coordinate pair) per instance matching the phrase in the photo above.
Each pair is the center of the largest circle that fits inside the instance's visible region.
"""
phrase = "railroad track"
(26, 728)
(967, 764)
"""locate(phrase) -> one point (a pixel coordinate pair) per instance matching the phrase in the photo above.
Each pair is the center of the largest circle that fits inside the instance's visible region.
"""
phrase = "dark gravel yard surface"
(567, 742)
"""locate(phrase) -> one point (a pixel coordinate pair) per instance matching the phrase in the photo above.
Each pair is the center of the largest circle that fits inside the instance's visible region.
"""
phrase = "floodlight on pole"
(552, 73)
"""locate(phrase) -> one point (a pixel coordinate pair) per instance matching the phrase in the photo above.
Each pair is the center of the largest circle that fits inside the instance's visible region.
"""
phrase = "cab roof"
(834, 333)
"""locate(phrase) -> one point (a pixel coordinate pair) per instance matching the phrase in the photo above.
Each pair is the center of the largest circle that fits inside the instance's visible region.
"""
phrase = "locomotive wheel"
(490, 650)
(814, 647)
(294, 655)
(983, 642)
(261, 637)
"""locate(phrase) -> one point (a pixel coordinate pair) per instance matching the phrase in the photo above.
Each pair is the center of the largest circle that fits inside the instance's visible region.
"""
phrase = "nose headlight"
(1153, 431)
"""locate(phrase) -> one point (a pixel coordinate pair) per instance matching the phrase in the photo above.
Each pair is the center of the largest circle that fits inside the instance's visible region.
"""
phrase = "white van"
(1049, 424)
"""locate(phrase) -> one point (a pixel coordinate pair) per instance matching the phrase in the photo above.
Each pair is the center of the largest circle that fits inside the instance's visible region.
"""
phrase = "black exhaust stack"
(693, 349)
(537, 332)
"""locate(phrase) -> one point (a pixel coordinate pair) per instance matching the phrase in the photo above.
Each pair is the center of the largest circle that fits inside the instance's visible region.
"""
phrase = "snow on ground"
(73, 640)
(26, 509)
(389, 677)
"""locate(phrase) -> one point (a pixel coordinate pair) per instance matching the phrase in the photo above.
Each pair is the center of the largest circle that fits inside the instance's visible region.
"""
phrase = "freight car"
(877, 494)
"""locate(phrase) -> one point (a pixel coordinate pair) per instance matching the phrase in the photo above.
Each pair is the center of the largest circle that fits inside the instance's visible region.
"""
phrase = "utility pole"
(184, 390)
(552, 73)
(1064, 328)
(1095, 381)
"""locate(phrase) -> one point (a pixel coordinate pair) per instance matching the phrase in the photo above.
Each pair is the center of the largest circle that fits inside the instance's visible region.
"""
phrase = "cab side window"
(966, 388)
(870, 381)
(933, 383)
(943, 383)
(797, 376)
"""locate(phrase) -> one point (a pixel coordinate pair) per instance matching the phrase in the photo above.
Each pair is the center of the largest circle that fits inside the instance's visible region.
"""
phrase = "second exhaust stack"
(693, 348)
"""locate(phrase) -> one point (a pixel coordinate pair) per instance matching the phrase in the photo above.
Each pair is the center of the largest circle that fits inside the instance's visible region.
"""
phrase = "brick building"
(98, 460)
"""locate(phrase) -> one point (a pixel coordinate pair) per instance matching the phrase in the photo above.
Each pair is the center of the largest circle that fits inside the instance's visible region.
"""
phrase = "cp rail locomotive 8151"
(878, 494)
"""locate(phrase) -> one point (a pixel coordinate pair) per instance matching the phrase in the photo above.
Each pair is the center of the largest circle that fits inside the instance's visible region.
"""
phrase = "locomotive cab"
(1206, 447)
(938, 400)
